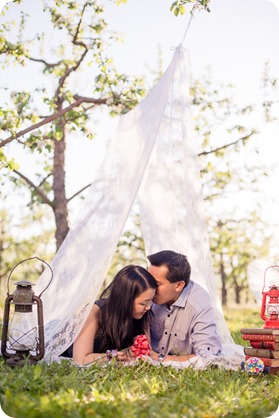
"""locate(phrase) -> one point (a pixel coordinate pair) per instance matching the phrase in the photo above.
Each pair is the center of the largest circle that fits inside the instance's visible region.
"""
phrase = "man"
(182, 321)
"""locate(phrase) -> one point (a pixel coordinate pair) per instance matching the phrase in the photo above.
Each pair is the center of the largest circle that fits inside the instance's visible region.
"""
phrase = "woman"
(121, 313)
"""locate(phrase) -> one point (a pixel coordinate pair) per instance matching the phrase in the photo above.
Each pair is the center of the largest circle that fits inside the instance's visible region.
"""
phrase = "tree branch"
(243, 139)
(45, 179)
(70, 70)
(77, 193)
(54, 116)
(44, 197)
(47, 64)
(78, 63)
(75, 42)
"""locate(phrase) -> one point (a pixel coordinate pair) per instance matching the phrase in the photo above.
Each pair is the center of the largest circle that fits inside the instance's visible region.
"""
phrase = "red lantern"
(270, 304)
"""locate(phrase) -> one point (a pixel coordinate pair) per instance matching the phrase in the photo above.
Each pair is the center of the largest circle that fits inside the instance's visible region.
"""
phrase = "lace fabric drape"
(151, 156)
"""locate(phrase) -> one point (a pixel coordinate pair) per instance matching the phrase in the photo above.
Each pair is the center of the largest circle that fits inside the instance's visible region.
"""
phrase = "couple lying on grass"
(174, 312)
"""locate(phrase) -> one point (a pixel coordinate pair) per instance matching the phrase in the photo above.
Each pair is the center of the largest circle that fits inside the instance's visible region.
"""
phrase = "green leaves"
(59, 132)
(178, 7)
(122, 92)
(5, 162)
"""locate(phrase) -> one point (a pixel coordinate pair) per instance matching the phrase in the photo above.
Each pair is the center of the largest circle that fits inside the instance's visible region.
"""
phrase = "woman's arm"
(84, 343)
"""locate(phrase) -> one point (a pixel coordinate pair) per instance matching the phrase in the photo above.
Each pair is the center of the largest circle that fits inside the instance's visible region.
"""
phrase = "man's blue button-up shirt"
(188, 326)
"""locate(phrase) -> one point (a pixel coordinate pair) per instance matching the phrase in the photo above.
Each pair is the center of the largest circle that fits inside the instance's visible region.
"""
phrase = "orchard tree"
(222, 131)
(15, 247)
(234, 244)
(41, 119)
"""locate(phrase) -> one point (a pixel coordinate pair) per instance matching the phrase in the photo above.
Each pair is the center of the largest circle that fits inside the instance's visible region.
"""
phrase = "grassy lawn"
(144, 391)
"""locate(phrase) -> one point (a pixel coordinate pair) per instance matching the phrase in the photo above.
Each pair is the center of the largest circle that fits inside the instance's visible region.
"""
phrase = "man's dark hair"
(178, 265)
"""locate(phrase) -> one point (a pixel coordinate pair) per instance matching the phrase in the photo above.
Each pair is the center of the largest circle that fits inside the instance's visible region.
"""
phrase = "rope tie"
(180, 47)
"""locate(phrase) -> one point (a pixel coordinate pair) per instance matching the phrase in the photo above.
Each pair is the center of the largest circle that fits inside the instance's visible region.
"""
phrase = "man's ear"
(180, 286)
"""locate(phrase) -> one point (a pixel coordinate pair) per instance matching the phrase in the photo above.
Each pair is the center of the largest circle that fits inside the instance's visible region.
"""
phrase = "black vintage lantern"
(23, 335)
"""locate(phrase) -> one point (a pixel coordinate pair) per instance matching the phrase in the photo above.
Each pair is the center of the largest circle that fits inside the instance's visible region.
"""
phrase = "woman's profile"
(121, 314)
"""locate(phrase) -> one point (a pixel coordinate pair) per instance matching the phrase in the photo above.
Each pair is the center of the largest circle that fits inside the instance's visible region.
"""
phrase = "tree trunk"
(237, 290)
(60, 202)
(2, 234)
(223, 280)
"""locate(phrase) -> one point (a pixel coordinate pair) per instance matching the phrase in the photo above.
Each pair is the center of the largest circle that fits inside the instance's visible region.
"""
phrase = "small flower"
(110, 354)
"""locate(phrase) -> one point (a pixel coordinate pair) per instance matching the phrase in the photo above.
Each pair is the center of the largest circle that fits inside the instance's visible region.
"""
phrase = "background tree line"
(39, 121)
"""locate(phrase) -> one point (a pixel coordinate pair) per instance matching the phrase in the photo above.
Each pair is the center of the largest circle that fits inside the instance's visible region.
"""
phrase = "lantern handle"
(26, 259)
(265, 275)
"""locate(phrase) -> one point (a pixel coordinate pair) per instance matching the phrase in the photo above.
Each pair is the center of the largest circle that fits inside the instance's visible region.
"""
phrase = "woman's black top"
(101, 342)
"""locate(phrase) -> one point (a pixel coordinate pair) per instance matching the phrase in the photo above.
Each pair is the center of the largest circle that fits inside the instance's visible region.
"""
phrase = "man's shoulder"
(157, 308)
(196, 287)
(199, 296)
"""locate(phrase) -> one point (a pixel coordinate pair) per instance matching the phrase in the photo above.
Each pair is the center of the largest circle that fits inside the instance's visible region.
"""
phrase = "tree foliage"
(40, 120)
(222, 130)
(178, 7)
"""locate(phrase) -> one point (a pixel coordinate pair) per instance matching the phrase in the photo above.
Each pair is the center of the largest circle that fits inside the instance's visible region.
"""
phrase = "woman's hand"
(125, 356)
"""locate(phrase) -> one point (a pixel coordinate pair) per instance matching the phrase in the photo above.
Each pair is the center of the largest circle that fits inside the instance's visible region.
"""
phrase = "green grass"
(238, 318)
(143, 391)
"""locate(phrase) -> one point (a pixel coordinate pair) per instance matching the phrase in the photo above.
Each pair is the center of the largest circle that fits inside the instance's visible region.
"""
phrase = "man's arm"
(205, 339)
(169, 357)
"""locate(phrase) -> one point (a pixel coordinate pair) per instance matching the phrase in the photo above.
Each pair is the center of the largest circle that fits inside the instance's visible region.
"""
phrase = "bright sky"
(234, 40)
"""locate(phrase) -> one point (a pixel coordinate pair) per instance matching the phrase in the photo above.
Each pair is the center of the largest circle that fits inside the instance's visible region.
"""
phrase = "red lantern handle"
(265, 276)
(263, 306)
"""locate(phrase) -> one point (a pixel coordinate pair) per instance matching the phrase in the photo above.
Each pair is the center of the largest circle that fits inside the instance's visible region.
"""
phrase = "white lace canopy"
(151, 156)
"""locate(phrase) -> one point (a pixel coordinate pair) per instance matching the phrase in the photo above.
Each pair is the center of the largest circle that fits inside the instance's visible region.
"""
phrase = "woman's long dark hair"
(117, 320)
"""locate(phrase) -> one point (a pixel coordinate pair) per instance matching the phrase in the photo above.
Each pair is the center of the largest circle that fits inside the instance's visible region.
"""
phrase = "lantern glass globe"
(22, 334)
